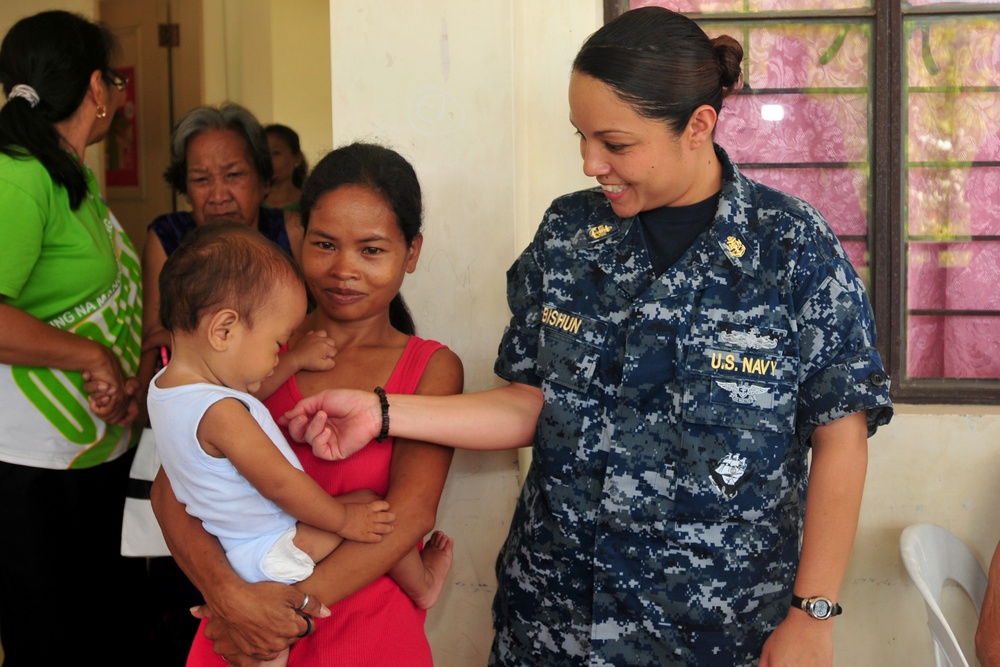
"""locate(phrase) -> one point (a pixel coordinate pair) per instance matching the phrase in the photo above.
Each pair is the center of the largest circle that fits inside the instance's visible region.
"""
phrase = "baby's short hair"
(223, 265)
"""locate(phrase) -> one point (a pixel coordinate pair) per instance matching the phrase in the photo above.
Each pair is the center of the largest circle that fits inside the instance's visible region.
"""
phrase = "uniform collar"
(730, 242)
(733, 236)
(619, 250)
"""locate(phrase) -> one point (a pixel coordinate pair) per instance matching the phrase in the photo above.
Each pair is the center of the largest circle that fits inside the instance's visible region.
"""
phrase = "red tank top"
(378, 626)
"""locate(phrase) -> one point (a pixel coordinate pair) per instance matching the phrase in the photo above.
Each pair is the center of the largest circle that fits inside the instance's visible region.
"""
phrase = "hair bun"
(729, 52)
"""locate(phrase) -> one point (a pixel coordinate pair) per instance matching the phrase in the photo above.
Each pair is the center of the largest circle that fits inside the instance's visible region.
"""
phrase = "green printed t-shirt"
(75, 270)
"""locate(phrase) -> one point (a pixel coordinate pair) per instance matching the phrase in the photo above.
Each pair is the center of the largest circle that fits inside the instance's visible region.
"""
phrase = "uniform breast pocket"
(570, 348)
(741, 378)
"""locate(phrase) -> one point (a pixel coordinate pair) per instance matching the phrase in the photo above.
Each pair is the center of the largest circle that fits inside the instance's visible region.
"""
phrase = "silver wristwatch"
(818, 607)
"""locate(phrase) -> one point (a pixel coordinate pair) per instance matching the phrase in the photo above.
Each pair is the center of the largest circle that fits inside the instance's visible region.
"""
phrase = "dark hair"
(55, 53)
(229, 116)
(225, 265)
(291, 137)
(662, 64)
(388, 174)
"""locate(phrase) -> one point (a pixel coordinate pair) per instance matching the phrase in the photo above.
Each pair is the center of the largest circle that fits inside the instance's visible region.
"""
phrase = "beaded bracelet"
(384, 402)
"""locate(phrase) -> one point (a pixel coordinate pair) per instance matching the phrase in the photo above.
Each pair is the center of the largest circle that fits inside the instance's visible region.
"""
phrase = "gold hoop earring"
(102, 112)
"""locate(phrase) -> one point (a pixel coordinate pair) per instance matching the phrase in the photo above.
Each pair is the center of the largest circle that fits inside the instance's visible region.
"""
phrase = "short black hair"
(224, 265)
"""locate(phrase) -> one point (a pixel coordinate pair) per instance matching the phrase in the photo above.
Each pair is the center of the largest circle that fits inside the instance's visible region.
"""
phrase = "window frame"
(886, 228)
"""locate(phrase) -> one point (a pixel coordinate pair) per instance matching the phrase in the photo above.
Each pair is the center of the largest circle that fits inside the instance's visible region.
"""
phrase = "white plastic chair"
(932, 555)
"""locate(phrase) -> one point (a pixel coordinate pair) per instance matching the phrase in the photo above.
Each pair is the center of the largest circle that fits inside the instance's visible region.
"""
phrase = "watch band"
(818, 607)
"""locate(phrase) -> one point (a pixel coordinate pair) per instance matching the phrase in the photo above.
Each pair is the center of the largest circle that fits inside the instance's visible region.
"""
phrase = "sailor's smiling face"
(639, 162)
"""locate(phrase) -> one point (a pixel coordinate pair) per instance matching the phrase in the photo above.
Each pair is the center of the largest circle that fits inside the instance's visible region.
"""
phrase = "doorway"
(161, 53)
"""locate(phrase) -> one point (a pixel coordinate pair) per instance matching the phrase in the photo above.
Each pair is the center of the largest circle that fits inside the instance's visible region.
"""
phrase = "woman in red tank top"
(361, 210)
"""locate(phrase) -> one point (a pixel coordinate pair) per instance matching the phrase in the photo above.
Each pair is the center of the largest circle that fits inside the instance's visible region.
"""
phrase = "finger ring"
(309, 627)
(305, 601)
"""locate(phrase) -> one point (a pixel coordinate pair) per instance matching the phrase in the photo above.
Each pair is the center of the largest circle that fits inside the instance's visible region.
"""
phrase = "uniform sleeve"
(842, 372)
(518, 353)
(22, 226)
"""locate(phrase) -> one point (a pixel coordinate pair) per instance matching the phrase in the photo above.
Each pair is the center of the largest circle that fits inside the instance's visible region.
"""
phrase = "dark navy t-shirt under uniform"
(669, 231)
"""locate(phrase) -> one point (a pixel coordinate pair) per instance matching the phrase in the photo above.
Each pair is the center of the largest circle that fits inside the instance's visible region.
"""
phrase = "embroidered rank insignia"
(733, 245)
(600, 231)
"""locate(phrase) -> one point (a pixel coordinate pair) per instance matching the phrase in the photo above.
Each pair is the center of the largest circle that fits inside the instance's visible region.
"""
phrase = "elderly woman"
(221, 161)
(69, 313)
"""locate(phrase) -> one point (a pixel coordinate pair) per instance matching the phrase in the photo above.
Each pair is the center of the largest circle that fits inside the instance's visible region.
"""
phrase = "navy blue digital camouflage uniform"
(660, 520)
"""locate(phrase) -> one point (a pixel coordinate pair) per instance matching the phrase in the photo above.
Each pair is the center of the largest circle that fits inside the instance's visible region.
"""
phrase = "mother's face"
(222, 183)
(355, 255)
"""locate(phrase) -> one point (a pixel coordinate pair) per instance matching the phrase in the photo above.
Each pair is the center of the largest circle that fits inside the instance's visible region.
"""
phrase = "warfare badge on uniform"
(735, 247)
(742, 393)
(749, 340)
(730, 474)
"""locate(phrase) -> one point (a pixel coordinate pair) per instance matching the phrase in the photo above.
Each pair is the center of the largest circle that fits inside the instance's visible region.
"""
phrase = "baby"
(230, 300)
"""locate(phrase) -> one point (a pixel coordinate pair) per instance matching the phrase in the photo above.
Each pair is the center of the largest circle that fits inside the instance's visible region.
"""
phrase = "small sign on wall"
(121, 147)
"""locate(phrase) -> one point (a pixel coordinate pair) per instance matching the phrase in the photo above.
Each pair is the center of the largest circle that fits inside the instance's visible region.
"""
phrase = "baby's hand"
(367, 522)
(314, 352)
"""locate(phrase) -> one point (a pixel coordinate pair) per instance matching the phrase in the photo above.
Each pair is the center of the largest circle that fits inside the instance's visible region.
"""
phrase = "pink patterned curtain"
(952, 193)
(749, 6)
(811, 144)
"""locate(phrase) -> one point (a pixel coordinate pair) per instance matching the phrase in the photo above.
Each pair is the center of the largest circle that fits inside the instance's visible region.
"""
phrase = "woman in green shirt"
(70, 330)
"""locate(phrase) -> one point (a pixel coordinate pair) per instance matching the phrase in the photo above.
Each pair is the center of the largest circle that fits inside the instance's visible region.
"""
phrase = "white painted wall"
(474, 95)
(933, 465)
(272, 56)
(237, 54)
(300, 56)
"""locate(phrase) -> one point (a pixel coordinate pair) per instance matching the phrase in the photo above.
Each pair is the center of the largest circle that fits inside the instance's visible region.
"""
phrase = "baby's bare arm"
(313, 352)
(228, 429)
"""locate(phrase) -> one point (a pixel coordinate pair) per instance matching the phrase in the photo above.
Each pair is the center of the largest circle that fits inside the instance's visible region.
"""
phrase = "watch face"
(821, 608)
